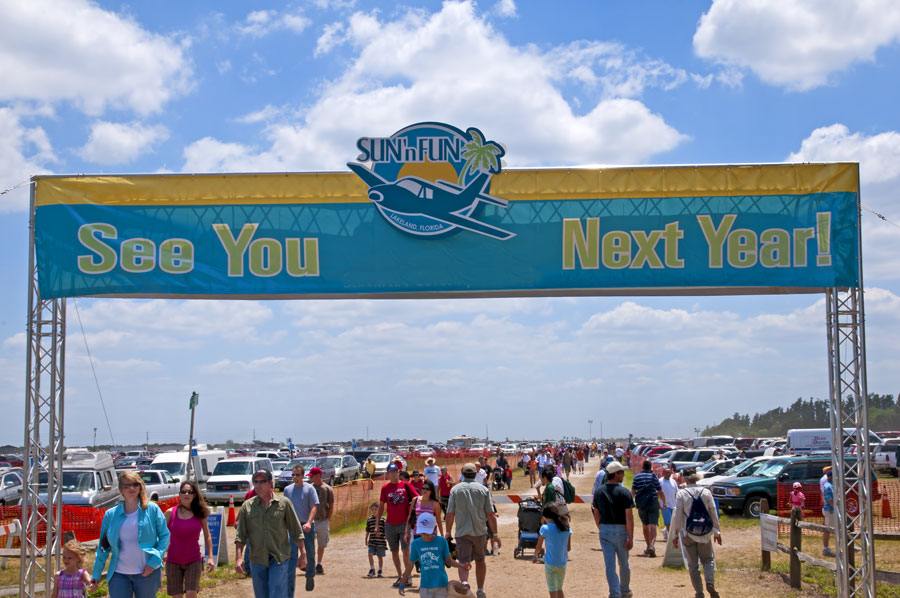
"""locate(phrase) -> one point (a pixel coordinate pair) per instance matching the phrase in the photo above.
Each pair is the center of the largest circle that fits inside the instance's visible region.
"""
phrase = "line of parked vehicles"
(740, 478)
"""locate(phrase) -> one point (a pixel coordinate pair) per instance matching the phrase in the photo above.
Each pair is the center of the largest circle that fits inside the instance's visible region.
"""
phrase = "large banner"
(403, 225)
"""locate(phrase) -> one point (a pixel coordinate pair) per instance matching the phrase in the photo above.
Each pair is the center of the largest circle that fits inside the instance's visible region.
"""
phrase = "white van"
(88, 480)
(204, 463)
(804, 441)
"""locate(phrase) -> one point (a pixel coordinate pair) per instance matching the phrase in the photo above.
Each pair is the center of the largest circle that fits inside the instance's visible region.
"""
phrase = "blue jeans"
(612, 542)
(134, 586)
(270, 581)
(309, 545)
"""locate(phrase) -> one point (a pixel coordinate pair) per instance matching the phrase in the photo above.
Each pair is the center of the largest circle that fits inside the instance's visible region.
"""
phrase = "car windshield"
(72, 481)
(772, 469)
(173, 468)
(325, 461)
(382, 458)
(683, 456)
(665, 455)
(749, 468)
(709, 466)
(306, 463)
(233, 468)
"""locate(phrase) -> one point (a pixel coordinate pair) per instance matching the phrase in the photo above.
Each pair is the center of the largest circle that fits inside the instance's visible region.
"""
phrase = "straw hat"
(429, 461)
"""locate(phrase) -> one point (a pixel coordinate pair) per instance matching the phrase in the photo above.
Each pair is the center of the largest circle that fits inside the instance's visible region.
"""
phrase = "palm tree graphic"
(479, 155)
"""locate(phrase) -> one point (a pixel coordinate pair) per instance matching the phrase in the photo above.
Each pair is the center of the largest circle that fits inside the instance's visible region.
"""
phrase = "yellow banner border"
(538, 184)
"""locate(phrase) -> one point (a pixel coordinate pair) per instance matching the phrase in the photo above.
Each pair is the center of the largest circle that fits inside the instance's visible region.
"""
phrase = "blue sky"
(113, 87)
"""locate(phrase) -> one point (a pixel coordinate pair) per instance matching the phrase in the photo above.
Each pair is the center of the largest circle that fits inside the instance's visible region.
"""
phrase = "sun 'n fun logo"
(429, 179)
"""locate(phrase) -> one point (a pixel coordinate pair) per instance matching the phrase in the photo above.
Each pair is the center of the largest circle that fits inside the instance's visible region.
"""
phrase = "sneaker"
(665, 534)
(712, 591)
(371, 573)
(310, 583)
(479, 594)
(379, 573)
(827, 552)
(396, 584)
(320, 570)
(651, 552)
(627, 594)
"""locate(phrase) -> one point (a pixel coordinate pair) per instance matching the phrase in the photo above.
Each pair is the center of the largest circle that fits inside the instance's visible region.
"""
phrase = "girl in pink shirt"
(798, 499)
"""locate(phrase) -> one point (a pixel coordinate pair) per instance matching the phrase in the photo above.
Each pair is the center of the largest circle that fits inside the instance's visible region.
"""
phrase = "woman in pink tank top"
(184, 564)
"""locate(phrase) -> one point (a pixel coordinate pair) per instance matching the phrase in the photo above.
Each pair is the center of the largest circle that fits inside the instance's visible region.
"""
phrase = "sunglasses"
(296, 475)
(260, 481)
(127, 486)
(186, 492)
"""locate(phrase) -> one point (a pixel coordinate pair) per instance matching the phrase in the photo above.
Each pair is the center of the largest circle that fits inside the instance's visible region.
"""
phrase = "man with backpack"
(696, 523)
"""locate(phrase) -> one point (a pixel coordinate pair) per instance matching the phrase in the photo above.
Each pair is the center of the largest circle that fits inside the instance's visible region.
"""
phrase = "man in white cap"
(471, 510)
(615, 522)
(433, 555)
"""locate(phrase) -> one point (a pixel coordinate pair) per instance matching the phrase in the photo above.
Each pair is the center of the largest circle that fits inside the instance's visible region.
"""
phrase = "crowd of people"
(422, 519)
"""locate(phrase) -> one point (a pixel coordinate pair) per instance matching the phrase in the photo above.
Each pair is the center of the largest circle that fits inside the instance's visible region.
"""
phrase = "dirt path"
(346, 565)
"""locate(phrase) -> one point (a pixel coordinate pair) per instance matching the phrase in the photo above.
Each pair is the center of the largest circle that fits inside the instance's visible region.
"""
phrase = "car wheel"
(154, 497)
(753, 506)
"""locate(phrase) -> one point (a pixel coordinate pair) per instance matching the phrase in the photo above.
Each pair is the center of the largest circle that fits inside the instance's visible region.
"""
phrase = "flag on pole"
(195, 398)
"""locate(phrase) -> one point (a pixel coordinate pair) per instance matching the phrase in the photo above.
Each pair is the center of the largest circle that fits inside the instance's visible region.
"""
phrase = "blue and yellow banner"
(653, 230)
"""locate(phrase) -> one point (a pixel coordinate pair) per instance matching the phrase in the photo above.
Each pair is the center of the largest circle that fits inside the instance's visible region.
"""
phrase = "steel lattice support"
(42, 489)
(854, 542)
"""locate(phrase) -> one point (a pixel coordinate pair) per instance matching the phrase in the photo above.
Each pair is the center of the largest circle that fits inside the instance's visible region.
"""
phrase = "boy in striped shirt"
(375, 541)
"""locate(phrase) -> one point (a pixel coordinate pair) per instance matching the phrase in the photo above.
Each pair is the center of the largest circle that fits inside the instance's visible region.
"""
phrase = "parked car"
(234, 477)
(884, 458)
(13, 460)
(346, 468)
(203, 463)
(508, 449)
(10, 486)
(690, 458)
(160, 484)
(88, 480)
(382, 460)
(742, 469)
(285, 477)
(746, 494)
(714, 468)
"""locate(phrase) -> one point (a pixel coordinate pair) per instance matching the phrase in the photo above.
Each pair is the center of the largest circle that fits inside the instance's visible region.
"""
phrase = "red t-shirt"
(417, 484)
(579, 454)
(443, 484)
(397, 498)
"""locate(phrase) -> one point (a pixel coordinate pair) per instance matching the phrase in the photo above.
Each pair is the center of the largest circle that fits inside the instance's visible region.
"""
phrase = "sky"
(141, 87)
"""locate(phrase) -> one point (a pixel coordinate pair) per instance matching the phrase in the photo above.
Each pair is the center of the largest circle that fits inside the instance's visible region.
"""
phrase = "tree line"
(884, 414)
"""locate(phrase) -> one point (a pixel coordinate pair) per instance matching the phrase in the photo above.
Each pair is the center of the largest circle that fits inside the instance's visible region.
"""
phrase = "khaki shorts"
(829, 518)
(433, 592)
(323, 532)
(470, 548)
(183, 578)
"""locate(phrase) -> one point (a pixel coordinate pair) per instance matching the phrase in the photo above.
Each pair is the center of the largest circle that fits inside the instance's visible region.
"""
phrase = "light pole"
(590, 430)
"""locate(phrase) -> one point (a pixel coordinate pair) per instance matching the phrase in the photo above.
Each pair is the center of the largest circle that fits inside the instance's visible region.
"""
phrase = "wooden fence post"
(766, 555)
(796, 546)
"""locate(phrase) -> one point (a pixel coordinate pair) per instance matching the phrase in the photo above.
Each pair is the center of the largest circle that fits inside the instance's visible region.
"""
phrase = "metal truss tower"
(854, 540)
(42, 489)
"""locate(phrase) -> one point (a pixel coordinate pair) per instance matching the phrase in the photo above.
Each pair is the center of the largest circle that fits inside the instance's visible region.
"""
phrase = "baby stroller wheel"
(516, 552)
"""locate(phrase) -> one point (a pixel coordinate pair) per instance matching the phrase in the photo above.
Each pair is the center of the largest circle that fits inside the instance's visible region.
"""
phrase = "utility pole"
(95, 439)
(147, 442)
(590, 429)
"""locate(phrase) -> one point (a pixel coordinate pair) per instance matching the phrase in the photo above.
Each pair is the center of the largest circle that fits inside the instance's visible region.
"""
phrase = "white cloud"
(796, 43)
(878, 155)
(879, 164)
(264, 114)
(506, 8)
(332, 35)
(53, 50)
(260, 23)
(121, 143)
(434, 67)
(24, 152)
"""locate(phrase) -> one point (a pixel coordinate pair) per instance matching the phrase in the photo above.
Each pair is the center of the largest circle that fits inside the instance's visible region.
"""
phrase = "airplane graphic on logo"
(440, 201)
(423, 207)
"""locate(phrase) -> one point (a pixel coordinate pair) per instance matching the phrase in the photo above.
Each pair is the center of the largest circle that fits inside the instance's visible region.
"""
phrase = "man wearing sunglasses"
(270, 523)
(306, 503)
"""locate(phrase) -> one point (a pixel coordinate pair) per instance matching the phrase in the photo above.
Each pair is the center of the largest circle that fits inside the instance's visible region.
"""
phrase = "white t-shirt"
(670, 490)
(480, 475)
(432, 473)
(822, 484)
(131, 558)
(525, 459)
(619, 452)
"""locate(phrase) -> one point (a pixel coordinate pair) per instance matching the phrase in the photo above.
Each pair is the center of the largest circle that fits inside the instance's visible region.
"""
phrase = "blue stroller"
(529, 517)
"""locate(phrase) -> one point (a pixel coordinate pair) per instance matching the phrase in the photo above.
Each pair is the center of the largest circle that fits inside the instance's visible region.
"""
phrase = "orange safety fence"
(885, 499)
(84, 522)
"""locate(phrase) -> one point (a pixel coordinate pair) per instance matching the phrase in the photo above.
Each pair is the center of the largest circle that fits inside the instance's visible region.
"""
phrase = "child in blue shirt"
(433, 553)
(556, 539)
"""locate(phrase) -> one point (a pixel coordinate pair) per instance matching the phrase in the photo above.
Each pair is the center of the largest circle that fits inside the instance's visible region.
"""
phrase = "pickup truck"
(160, 484)
(884, 458)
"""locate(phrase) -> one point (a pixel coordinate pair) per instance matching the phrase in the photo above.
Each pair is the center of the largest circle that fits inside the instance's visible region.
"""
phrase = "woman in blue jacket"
(134, 536)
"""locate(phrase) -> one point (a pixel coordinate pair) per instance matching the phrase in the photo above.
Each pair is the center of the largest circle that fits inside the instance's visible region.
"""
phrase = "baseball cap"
(797, 485)
(614, 467)
(264, 473)
(393, 467)
(315, 470)
(469, 468)
(416, 472)
(425, 524)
